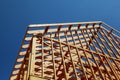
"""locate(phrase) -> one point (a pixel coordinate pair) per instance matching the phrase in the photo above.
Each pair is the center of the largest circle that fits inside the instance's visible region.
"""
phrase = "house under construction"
(69, 51)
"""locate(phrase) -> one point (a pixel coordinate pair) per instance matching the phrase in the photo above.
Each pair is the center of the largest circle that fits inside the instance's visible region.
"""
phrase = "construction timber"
(69, 51)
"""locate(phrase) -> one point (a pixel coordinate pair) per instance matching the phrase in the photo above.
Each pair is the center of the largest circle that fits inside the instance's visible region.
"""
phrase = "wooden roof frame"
(78, 50)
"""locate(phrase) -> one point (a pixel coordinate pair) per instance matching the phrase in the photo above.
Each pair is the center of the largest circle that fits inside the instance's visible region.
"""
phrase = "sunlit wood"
(69, 51)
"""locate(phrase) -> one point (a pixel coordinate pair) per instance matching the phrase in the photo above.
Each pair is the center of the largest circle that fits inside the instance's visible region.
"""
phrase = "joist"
(13, 77)
(18, 66)
(25, 46)
(20, 59)
(22, 53)
(28, 38)
(15, 71)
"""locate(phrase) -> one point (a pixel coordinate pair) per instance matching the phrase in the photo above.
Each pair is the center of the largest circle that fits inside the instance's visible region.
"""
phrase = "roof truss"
(70, 51)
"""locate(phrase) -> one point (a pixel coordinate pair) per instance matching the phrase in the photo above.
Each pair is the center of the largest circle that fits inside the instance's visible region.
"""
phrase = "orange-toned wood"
(69, 51)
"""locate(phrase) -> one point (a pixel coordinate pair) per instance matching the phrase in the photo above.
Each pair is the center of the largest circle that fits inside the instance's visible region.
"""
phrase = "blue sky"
(15, 15)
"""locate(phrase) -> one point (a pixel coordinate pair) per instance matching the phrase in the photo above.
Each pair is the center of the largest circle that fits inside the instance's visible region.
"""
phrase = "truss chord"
(88, 59)
(112, 50)
(54, 69)
(66, 77)
(104, 57)
(18, 57)
(79, 56)
(110, 42)
(94, 57)
(33, 53)
(63, 43)
(42, 56)
(104, 44)
(71, 55)
(113, 37)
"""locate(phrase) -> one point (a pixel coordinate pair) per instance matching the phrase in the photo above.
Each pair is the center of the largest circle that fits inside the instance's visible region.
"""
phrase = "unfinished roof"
(69, 51)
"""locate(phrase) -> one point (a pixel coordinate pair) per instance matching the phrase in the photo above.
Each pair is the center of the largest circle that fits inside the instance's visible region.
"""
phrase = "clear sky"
(15, 15)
